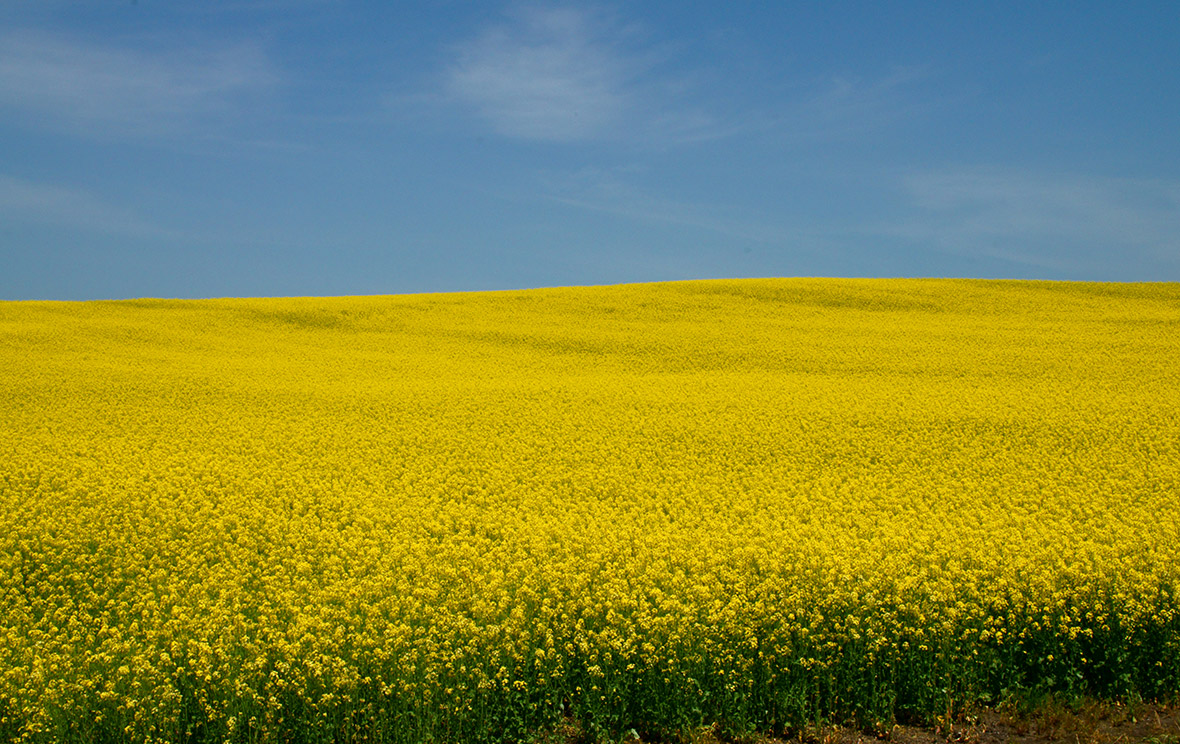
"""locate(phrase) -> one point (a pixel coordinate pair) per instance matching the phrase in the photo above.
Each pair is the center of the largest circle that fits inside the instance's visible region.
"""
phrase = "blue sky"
(327, 147)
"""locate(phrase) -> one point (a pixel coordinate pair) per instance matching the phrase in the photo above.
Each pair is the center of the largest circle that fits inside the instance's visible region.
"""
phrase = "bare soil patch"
(1090, 723)
(1093, 723)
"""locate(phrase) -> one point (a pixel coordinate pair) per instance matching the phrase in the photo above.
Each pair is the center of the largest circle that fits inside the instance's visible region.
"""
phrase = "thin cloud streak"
(47, 204)
(87, 87)
(598, 191)
(1045, 220)
(847, 106)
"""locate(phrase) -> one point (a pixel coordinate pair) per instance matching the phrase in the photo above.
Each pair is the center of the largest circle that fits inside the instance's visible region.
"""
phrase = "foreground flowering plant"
(463, 517)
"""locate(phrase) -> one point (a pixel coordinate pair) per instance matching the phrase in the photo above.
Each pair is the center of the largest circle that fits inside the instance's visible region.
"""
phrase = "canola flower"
(461, 517)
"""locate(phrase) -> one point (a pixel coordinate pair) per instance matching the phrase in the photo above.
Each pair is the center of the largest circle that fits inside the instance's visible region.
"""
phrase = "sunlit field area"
(640, 509)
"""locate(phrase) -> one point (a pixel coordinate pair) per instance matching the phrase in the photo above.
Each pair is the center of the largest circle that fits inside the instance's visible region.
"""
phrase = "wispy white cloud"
(1060, 222)
(103, 88)
(572, 74)
(547, 74)
(564, 74)
(48, 204)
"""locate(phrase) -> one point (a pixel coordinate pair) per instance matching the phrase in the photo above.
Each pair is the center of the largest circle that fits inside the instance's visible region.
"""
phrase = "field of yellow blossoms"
(644, 508)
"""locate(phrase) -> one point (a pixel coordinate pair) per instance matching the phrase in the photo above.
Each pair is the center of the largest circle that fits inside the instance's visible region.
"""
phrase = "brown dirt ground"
(1092, 723)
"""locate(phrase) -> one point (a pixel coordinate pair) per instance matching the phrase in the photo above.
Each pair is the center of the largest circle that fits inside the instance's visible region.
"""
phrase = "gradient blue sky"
(304, 147)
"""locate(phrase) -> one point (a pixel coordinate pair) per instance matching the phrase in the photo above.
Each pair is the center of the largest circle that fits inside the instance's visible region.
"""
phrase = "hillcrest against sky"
(325, 147)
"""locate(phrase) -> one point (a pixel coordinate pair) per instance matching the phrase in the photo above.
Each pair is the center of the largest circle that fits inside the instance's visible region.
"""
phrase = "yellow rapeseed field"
(462, 517)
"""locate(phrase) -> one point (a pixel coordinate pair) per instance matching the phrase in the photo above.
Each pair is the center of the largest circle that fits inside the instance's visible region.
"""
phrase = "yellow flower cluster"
(459, 517)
